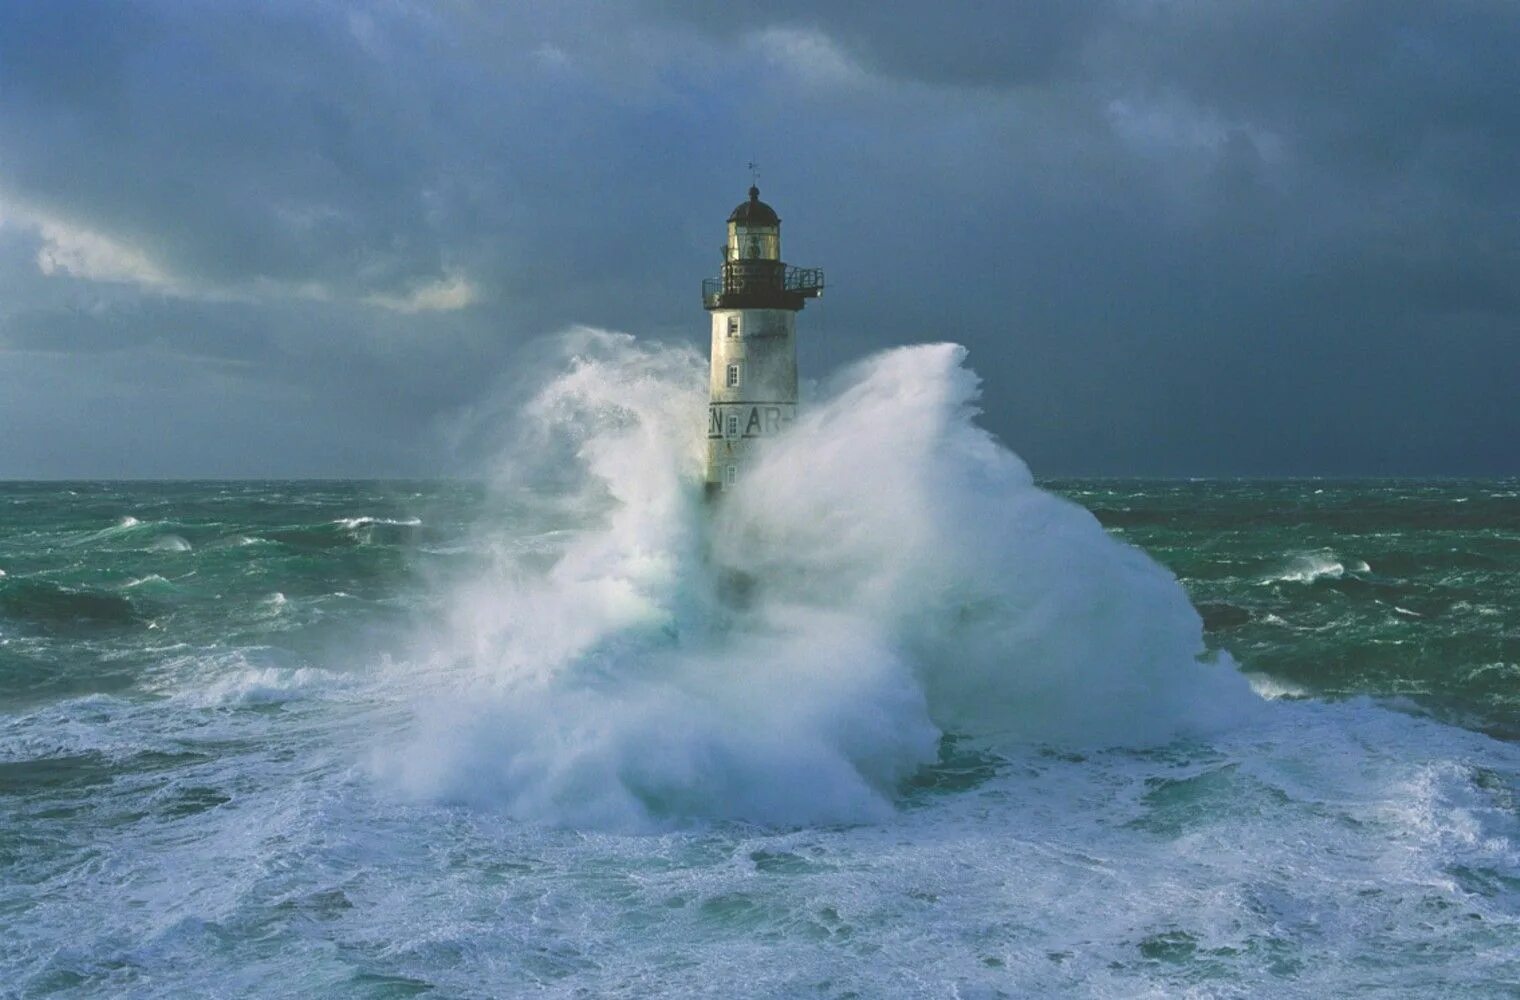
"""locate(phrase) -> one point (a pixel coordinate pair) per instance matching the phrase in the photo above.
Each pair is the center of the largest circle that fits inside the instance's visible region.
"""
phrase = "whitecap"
(1499, 667)
(236, 678)
(123, 526)
(169, 543)
(359, 522)
(1273, 688)
(262, 686)
(1307, 567)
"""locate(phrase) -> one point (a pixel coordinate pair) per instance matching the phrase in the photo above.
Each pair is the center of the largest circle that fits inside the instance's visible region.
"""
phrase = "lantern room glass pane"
(753, 242)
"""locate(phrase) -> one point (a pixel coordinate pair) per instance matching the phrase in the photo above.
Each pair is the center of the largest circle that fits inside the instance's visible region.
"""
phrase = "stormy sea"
(896, 718)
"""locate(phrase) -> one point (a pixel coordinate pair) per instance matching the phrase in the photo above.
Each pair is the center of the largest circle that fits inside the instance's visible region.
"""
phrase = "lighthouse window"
(733, 425)
(730, 475)
(733, 377)
(733, 326)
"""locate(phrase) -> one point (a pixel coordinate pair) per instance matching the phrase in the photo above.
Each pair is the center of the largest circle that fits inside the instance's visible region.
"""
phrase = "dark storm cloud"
(1178, 237)
(266, 144)
(958, 42)
(1244, 237)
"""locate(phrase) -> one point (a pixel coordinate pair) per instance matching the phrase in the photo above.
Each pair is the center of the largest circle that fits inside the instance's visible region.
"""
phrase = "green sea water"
(197, 679)
(1403, 589)
(1407, 589)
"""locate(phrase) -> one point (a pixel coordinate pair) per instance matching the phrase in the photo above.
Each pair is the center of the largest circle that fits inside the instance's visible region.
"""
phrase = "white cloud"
(551, 57)
(93, 256)
(66, 249)
(809, 55)
(444, 295)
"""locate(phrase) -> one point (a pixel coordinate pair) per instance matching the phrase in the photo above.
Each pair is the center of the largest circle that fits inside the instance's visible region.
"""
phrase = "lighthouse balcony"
(762, 285)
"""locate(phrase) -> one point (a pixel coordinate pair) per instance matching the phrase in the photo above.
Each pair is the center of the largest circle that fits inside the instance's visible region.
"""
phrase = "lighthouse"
(754, 305)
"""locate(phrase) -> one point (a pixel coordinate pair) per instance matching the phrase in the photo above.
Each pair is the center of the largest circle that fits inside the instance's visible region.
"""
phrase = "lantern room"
(754, 231)
(754, 276)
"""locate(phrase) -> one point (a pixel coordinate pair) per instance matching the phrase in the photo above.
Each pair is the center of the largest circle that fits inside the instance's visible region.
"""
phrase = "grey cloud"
(958, 42)
(235, 144)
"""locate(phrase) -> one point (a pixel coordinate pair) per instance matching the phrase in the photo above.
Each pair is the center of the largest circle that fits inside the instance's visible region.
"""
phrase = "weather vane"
(754, 173)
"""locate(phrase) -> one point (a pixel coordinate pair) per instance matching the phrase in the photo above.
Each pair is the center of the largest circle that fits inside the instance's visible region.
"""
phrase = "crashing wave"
(906, 580)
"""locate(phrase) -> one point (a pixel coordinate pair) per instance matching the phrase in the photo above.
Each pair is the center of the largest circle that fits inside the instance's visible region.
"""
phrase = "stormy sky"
(304, 238)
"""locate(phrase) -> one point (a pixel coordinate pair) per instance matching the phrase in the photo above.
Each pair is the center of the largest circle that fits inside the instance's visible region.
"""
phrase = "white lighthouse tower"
(754, 306)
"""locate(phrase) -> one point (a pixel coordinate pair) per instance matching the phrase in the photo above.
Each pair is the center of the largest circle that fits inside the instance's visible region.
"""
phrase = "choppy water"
(249, 746)
(1394, 588)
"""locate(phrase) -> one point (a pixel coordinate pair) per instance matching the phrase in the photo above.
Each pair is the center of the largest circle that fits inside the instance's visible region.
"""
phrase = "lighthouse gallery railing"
(806, 282)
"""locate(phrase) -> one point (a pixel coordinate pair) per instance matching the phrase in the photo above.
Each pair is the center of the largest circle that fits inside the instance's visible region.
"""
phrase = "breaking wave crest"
(1311, 567)
(888, 574)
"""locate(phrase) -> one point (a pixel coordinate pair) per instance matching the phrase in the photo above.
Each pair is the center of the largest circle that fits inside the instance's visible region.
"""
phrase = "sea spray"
(905, 579)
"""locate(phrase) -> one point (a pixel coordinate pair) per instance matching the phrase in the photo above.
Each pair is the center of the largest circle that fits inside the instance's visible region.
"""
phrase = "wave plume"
(902, 578)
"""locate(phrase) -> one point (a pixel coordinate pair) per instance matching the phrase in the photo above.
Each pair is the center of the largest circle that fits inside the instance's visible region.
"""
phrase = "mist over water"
(889, 720)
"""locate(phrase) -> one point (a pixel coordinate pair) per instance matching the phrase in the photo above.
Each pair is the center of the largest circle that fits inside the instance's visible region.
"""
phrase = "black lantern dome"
(754, 212)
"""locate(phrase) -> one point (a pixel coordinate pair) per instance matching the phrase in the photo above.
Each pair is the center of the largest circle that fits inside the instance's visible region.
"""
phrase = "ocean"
(894, 719)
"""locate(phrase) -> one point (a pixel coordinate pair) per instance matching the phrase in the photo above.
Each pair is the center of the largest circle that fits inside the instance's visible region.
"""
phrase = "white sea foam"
(1250, 865)
(169, 543)
(1307, 567)
(1274, 688)
(124, 525)
(152, 580)
(359, 522)
(269, 685)
(905, 579)
(238, 682)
